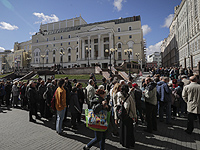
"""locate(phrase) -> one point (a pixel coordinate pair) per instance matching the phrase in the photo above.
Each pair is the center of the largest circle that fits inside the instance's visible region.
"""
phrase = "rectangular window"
(76, 57)
(69, 58)
(119, 30)
(119, 56)
(47, 60)
(106, 39)
(60, 44)
(130, 28)
(95, 51)
(69, 43)
(130, 36)
(54, 59)
(86, 41)
(47, 39)
(95, 40)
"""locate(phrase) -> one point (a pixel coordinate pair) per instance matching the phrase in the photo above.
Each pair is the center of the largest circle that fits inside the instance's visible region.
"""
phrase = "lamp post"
(43, 56)
(140, 60)
(62, 54)
(111, 51)
(129, 53)
(137, 55)
(88, 52)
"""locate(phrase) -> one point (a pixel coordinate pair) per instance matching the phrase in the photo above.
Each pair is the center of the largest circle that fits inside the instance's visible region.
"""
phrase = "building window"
(47, 45)
(130, 36)
(69, 43)
(119, 56)
(47, 60)
(119, 29)
(77, 49)
(76, 57)
(86, 41)
(54, 59)
(61, 37)
(61, 58)
(77, 42)
(95, 40)
(129, 28)
(47, 39)
(47, 53)
(69, 58)
(106, 39)
(119, 45)
(37, 41)
(69, 36)
(69, 51)
(60, 44)
(53, 45)
(119, 38)
(54, 52)
(54, 38)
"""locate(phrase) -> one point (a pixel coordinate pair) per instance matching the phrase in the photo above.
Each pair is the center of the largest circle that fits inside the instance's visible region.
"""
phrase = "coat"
(60, 99)
(129, 105)
(74, 106)
(41, 90)
(32, 95)
(15, 90)
(191, 95)
(150, 94)
(165, 93)
(90, 93)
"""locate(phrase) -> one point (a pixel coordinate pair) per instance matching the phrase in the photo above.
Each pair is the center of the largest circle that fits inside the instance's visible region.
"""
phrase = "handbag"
(121, 111)
(97, 122)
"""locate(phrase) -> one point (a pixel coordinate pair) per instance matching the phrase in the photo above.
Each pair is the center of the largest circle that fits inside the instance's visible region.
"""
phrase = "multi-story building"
(155, 57)
(184, 37)
(74, 42)
(3, 62)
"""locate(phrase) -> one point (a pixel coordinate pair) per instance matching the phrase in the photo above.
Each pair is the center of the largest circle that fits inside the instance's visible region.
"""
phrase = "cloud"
(7, 26)
(12, 50)
(2, 49)
(168, 21)
(118, 4)
(46, 18)
(146, 29)
(32, 33)
(154, 48)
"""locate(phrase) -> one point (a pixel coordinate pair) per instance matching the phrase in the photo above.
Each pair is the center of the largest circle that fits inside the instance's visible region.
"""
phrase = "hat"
(134, 85)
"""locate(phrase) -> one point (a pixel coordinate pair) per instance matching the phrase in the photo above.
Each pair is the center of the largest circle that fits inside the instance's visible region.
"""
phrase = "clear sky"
(19, 19)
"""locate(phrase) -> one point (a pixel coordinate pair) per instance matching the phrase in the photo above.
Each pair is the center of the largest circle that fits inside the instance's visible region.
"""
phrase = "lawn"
(3, 75)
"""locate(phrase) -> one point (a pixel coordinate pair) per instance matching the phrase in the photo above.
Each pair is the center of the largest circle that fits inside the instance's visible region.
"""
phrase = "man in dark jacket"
(41, 90)
(160, 103)
(166, 98)
(32, 98)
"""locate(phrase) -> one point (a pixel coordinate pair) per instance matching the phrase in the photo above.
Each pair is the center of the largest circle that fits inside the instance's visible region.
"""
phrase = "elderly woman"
(127, 138)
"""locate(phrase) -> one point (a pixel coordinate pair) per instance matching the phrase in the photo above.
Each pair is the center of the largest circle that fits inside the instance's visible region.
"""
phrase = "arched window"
(119, 29)
(69, 50)
(54, 52)
(47, 52)
(119, 45)
(69, 36)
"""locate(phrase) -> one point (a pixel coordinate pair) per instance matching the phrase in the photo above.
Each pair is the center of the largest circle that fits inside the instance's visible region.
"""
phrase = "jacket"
(74, 106)
(32, 95)
(41, 90)
(15, 90)
(158, 87)
(151, 94)
(191, 95)
(165, 93)
(81, 95)
(96, 104)
(90, 93)
(60, 99)
(129, 105)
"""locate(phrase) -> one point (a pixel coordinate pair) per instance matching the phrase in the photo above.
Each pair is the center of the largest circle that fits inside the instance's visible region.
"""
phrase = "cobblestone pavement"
(17, 133)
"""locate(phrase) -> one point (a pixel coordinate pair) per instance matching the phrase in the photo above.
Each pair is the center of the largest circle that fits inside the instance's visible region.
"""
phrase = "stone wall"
(79, 70)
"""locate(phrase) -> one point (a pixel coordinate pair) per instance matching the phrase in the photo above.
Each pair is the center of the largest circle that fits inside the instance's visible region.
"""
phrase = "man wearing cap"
(191, 96)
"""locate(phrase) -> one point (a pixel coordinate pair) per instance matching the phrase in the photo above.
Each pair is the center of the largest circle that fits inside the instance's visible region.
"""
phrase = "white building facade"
(155, 57)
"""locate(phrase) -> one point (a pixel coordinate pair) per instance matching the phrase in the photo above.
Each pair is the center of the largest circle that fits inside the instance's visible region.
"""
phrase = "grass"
(3, 75)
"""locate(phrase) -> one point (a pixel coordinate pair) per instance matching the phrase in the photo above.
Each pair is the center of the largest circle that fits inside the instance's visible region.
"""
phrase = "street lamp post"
(62, 54)
(129, 53)
(140, 60)
(43, 56)
(137, 55)
(111, 51)
(88, 52)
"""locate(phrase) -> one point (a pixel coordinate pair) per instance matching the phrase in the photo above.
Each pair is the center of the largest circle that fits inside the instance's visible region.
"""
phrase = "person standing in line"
(90, 92)
(150, 94)
(8, 89)
(81, 98)
(15, 92)
(2, 93)
(74, 108)
(41, 90)
(60, 105)
(32, 99)
(191, 96)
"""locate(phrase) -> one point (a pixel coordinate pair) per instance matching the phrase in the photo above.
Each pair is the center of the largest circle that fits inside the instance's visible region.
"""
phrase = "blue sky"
(21, 18)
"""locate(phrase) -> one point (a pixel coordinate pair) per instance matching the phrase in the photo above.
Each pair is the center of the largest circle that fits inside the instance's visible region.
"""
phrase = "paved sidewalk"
(17, 133)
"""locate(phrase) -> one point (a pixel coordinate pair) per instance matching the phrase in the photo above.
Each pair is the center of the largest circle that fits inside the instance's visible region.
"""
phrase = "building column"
(102, 49)
(92, 48)
(111, 42)
(83, 49)
(99, 46)
(89, 45)
(79, 49)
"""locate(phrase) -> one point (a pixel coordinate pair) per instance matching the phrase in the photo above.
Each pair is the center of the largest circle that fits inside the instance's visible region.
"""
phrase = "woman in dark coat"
(81, 96)
(49, 94)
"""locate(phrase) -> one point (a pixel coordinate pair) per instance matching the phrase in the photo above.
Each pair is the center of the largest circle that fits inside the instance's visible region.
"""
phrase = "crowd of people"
(162, 93)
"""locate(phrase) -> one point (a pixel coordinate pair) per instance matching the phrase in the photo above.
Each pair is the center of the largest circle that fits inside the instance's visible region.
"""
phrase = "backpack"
(53, 102)
(121, 111)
